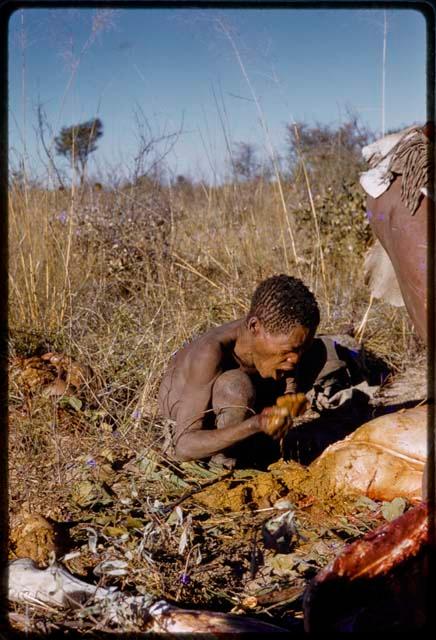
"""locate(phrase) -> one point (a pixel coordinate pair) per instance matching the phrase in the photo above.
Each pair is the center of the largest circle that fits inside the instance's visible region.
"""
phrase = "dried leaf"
(115, 531)
(196, 556)
(176, 516)
(147, 466)
(364, 501)
(102, 519)
(111, 568)
(183, 541)
(283, 562)
(84, 492)
(92, 539)
(107, 454)
(179, 512)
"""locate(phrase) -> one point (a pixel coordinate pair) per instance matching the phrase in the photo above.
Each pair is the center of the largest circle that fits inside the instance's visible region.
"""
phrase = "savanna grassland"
(119, 277)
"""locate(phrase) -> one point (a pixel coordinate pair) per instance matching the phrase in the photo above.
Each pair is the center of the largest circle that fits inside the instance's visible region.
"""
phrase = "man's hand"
(295, 403)
(275, 421)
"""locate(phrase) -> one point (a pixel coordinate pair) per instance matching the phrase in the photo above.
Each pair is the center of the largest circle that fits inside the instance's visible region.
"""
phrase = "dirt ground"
(86, 494)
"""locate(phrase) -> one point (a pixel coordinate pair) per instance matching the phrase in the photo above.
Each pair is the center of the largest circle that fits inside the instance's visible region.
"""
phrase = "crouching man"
(231, 393)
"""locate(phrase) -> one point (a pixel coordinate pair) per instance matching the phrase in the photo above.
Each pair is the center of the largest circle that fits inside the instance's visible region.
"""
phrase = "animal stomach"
(383, 459)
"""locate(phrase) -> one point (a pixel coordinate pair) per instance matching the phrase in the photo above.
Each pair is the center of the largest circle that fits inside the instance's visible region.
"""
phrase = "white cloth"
(377, 180)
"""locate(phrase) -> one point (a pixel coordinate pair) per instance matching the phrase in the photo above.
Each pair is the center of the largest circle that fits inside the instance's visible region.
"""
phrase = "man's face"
(275, 355)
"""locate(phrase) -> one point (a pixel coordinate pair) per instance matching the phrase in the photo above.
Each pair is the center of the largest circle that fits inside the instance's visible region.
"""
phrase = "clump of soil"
(289, 479)
(34, 537)
(258, 492)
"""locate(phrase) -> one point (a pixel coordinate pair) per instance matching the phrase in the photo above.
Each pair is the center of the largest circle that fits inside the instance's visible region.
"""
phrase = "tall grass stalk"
(383, 105)
(315, 222)
(272, 154)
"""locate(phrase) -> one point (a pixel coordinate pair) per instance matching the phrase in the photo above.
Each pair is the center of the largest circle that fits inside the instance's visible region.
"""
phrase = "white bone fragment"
(55, 587)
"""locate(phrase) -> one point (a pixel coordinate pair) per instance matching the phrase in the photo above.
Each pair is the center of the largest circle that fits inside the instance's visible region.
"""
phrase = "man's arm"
(191, 440)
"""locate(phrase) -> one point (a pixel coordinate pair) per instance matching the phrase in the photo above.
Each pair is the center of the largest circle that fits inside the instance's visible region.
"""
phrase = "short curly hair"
(281, 302)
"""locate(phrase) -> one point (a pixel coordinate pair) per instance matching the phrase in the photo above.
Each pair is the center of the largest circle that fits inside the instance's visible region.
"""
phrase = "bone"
(55, 587)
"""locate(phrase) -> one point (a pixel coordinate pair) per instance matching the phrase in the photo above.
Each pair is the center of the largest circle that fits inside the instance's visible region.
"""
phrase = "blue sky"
(178, 70)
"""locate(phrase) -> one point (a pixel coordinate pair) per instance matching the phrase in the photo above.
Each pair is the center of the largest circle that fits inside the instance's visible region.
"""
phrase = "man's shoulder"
(209, 349)
(205, 347)
(218, 337)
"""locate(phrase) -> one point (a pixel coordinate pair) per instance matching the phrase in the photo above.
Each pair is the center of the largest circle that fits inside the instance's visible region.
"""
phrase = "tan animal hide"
(383, 459)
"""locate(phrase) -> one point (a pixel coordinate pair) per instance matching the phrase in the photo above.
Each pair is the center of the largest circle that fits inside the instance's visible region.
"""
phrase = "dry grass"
(119, 279)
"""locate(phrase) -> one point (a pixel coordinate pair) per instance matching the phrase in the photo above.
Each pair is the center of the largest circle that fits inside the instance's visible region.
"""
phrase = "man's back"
(197, 363)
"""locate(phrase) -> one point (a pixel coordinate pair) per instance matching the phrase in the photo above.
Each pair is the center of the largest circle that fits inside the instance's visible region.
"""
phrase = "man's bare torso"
(222, 388)
(199, 362)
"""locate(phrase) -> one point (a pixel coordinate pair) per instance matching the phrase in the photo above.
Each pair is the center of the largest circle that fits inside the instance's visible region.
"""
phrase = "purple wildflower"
(63, 217)
(91, 463)
(185, 579)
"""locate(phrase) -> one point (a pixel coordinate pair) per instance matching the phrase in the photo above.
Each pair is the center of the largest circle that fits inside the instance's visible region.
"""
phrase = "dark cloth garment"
(328, 362)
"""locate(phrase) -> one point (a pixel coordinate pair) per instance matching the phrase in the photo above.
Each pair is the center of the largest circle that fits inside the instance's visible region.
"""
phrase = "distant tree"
(182, 182)
(332, 155)
(245, 164)
(20, 179)
(78, 141)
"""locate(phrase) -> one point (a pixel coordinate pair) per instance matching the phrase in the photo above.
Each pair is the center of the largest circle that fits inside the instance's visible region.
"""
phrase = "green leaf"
(283, 562)
(134, 523)
(74, 402)
(83, 493)
(115, 532)
(364, 501)
(103, 518)
(393, 509)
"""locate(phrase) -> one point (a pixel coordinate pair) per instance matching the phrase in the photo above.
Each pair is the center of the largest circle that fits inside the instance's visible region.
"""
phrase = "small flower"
(185, 579)
(63, 217)
(136, 415)
(91, 463)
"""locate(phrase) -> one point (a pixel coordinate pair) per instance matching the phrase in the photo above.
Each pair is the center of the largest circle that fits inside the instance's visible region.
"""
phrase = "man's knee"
(233, 388)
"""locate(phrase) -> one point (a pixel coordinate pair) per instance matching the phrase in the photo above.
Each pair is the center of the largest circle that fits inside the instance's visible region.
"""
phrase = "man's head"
(282, 321)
